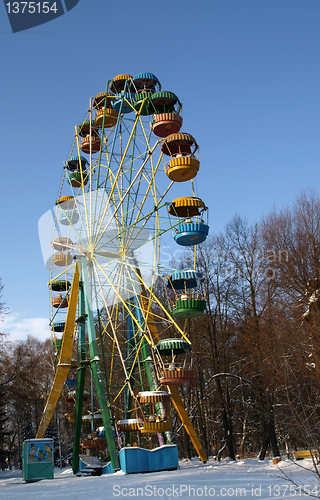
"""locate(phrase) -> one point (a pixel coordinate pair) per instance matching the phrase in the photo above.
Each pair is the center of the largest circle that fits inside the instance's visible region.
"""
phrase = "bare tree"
(293, 237)
(253, 303)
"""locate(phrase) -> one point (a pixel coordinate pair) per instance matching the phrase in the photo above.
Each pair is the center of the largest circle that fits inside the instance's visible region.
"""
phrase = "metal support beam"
(183, 414)
(64, 363)
(80, 380)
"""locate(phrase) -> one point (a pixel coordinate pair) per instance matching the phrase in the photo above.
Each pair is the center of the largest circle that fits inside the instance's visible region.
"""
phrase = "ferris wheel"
(108, 282)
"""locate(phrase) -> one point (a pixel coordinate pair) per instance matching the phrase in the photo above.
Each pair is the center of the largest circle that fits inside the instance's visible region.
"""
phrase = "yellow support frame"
(64, 363)
(183, 414)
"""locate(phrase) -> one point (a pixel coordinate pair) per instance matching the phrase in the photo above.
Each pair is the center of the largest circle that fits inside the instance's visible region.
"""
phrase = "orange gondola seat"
(60, 301)
(90, 143)
(165, 124)
(90, 138)
(167, 119)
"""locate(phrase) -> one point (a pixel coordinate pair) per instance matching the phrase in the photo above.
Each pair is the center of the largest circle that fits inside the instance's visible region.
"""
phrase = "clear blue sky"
(246, 71)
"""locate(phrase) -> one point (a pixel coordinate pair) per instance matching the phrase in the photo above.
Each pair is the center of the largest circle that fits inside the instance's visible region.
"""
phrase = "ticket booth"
(37, 459)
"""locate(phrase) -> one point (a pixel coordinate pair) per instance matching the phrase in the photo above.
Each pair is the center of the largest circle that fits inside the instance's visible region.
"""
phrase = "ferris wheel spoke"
(117, 295)
(156, 300)
(122, 198)
(127, 376)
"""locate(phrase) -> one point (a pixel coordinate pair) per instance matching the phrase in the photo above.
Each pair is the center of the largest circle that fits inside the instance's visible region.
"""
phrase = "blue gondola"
(75, 163)
(146, 82)
(59, 326)
(121, 103)
(188, 234)
(69, 218)
(180, 280)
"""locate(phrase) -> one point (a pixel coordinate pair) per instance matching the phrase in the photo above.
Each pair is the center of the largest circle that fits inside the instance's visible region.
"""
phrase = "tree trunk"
(227, 425)
(186, 440)
(269, 437)
(243, 439)
(272, 437)
(264, 447)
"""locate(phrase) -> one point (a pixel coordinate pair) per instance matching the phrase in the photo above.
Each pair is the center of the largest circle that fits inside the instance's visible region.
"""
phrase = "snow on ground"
(246, 478)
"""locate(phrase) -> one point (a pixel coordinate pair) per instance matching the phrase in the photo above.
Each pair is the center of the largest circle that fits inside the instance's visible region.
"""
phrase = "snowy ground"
(245, 478)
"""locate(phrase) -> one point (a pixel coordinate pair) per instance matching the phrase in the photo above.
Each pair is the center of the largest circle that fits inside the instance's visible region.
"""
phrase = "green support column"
(96, 369)
(80, 380)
